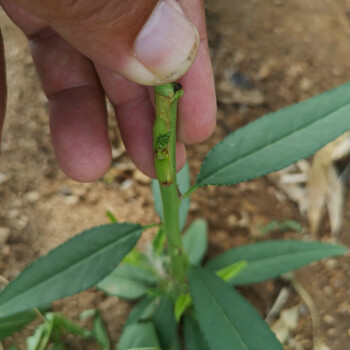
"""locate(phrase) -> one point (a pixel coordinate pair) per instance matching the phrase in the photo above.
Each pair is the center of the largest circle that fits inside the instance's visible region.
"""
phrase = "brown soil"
(283, 52)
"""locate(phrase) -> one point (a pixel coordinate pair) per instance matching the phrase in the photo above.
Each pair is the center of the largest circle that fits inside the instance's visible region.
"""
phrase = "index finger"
(197, 107)
(2, 86)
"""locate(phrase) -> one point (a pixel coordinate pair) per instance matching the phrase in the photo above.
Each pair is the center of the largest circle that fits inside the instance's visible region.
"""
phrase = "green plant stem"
(147, 227)
(164, 147)
(189, 193)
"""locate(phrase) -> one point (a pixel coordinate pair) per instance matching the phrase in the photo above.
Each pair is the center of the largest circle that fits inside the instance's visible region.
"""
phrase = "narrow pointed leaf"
(111, 216)
(74, 266)
(183, 182)
(195, 241)
(138, 335)
(140, 311)
(194, 339)
(270, 259)
(127, 282)
(165, 325)
(41, 337)
(229, 272)
(61, 322)
(227, 320)
(183, 302)
(100, 333)
(14, 323)
(278, 139)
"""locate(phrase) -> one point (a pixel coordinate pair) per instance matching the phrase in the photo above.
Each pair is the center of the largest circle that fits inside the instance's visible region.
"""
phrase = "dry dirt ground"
(275, 53)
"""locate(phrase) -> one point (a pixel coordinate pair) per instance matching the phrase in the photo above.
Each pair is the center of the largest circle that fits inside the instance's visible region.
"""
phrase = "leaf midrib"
(81, 261)
(223, 311)
(215, 172)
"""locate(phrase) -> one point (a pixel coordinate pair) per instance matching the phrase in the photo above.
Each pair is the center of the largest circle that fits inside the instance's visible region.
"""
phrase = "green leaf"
(14, 323)
(195, 241)
(183, 182)
(183, 302)
(41, 337)
(270, 259)
(52, 330)
(138, 335)
(136, 258)
(227, 320)
(142, 311)
(229, 272)
(60, 322)
(194, 339)
(127, 282)
(165, 324)
(278, 139)
(280, 226)
(100, 333)
(137, 314)
(111, 216)
(88, 314)
(72, 267)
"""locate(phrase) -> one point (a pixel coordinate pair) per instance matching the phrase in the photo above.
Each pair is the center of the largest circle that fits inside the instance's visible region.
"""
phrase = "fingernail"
(168, 42)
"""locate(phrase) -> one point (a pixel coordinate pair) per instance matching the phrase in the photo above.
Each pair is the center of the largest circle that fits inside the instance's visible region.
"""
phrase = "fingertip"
(197, 107)
(79, 133)
(88, 168)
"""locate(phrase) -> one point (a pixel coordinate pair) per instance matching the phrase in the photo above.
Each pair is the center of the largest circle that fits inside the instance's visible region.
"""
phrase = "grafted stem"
(164, 147)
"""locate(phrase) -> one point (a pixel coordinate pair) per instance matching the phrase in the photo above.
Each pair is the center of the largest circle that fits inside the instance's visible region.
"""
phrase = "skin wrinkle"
(41, 35)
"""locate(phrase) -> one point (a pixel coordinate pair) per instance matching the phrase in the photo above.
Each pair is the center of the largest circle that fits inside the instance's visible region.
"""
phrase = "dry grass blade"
(325, 188)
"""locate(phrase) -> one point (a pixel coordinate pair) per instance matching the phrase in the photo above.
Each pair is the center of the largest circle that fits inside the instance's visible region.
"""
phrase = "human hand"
(84, 49)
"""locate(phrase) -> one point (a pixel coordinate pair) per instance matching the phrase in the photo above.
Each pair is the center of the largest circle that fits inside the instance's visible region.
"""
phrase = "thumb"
(150, 42)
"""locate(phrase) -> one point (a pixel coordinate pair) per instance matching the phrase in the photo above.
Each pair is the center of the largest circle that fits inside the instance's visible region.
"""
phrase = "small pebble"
(3, 178)
(331, 263)
(32, 197)
(329, 320)
(21, 223)
(305, 84)
(71, 200)
(66, 191)
(126, 184)
(194, 206)
(331, 332)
